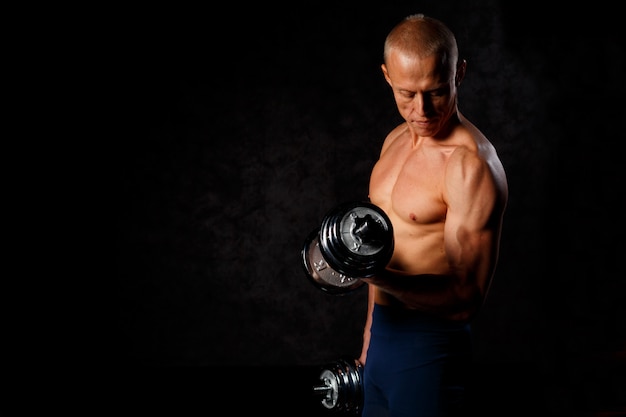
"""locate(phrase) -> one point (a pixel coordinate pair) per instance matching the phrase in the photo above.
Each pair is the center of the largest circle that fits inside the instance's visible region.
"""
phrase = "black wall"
(246, 126)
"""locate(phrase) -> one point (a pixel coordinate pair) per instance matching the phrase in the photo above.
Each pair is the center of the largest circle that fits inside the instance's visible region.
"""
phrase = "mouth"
(422, 123)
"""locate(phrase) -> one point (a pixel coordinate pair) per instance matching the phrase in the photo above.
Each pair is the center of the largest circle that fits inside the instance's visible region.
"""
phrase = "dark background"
(248, 123)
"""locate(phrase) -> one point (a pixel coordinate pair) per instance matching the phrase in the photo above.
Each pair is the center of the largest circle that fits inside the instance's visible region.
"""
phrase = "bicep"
(471, 229)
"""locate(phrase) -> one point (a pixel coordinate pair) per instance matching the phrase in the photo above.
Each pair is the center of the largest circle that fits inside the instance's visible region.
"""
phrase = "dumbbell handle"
(322, 388)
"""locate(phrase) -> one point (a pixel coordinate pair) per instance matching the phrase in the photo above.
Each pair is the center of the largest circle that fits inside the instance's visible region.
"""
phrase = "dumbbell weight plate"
(320, 273)
(342, 386)
(355, 240)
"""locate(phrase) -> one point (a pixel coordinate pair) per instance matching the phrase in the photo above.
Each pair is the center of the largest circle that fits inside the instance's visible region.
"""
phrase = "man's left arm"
(471, 240)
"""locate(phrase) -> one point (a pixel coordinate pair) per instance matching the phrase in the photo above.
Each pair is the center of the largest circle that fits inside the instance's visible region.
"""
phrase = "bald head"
(420, 36)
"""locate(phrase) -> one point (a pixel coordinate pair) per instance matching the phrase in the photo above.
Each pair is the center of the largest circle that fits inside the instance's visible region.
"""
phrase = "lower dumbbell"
(355, 240)
(341, 387)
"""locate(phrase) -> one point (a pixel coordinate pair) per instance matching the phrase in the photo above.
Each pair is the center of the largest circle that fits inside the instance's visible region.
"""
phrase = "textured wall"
(241, 139)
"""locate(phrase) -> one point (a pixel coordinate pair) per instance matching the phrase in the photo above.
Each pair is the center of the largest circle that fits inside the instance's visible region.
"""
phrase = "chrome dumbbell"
(355, 240)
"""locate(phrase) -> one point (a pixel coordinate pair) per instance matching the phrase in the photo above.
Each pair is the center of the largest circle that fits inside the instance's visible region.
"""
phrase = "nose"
(420, 104)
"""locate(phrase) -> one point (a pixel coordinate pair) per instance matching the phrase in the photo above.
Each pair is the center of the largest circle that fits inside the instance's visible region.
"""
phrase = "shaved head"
(419, 36)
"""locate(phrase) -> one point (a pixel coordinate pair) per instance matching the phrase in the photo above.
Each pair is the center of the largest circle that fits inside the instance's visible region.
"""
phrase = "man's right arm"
(368, 324)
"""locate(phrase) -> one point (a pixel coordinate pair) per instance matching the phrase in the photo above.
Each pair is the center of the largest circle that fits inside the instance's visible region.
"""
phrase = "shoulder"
(474, 166)
(473, 157)
(394, 135)
(465, 163)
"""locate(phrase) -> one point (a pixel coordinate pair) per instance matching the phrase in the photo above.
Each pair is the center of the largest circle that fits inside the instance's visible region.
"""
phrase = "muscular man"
(441, 183)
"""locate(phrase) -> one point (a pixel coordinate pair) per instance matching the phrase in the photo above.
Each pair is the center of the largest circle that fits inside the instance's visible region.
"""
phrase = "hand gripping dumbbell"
(355, 240)
(341, 387)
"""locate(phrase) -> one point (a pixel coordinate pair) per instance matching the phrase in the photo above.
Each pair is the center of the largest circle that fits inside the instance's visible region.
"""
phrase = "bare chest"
(412, 187)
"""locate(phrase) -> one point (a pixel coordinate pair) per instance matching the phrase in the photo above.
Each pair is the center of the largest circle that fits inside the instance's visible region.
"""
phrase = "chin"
(423, 130)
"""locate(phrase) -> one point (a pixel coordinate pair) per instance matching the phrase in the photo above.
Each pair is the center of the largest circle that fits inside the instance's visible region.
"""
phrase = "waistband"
(386, 318)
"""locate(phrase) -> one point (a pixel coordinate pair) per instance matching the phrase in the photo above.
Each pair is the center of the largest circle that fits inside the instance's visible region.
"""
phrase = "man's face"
(424, 91)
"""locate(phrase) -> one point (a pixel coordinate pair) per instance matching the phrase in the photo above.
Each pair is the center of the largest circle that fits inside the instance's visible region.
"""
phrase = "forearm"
(443, 295)
(368, 324)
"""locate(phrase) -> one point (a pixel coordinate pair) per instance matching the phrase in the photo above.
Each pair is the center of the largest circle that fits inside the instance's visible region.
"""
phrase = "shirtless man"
(441, 183)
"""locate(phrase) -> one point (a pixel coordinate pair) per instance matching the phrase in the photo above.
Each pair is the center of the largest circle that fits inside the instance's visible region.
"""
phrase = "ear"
(460, 72)
(385, 73)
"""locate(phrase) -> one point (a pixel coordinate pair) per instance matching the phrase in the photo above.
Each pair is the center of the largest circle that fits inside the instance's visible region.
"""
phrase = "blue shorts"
(416, 365)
